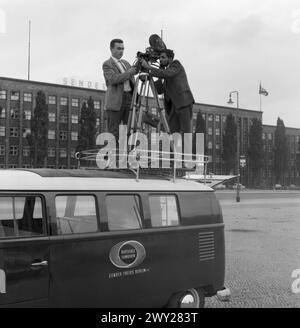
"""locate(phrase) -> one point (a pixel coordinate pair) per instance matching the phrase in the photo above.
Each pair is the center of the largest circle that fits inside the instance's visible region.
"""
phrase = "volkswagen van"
(88, 238)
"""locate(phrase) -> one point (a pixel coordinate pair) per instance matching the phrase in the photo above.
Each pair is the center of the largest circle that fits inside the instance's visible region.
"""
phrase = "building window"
(63, 152)
(15, 95)
(217, 146)
(75, 119)
(51, 134)
(2, 131)
(195, 116)
(209, 145)
(52, 100)
(210, 117)
(204, 116)
(97, 122)
(75, 102)
(13, 150)
(26, 151)
(51, 152)
(26, 131)
(2, 150)
(224, 119)
(2, 94)
(52, 117)
(63, 101)
(28, 97)
(263, 136)
(63, 135)
(97, 104)
(72, 152)
(63, 118)
(14, 113)
(270, 136)
(27, 115)
(2, 112)
(14, 132)
(217, 132)
(217, 118)
(74, 135)
(210, 131)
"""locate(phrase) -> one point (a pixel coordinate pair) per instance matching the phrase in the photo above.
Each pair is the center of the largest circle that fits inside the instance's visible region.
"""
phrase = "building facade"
(17, 100)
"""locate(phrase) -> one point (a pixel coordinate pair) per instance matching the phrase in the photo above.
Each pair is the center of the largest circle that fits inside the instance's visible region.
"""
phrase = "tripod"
(139, 112)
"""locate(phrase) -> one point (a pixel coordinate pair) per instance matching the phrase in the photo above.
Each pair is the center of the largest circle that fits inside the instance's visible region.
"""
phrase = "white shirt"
(122, 68)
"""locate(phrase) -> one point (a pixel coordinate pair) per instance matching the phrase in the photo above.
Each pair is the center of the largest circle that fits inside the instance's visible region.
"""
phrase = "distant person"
(119, 78)
(174, 85)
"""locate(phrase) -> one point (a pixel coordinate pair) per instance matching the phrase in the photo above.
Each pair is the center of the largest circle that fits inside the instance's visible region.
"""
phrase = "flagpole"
(260, 101)
(260, 95)
(29, 50)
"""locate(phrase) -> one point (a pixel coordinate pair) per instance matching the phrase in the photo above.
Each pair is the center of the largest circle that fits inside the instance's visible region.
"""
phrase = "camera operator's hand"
(145, 64)
(132, 70)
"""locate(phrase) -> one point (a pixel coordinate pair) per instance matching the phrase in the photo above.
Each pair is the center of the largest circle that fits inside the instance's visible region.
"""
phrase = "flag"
(263, 91)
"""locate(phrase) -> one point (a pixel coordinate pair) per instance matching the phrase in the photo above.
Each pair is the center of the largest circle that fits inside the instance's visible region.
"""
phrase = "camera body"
(150, 55)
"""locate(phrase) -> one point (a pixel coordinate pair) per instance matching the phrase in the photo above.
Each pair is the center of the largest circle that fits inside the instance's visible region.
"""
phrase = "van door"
(24, 251)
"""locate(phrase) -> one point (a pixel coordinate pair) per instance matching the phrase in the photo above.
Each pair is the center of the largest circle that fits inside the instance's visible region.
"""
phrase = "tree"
(87, 133)
(280, 152)
(230, 144)
(255, 151)
(38, 138)
(200, 128)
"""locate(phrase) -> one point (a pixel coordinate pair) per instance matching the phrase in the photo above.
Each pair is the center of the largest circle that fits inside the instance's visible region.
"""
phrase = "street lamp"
(230, 102)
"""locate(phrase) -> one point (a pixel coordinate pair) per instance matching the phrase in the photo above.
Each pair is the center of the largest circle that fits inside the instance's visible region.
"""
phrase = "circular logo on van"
(128, 254)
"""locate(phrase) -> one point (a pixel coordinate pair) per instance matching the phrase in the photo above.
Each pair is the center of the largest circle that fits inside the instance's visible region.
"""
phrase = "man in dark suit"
(174, 85)
(119, 78)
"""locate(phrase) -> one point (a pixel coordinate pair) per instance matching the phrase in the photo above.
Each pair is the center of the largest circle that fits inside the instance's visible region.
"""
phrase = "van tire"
(198, 295)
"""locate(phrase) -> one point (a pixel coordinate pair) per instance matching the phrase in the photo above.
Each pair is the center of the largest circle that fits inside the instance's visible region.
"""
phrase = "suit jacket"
(114, 80)
(175, 87)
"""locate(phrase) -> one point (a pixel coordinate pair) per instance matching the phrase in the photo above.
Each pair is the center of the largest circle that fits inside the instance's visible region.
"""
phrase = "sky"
(224, 45)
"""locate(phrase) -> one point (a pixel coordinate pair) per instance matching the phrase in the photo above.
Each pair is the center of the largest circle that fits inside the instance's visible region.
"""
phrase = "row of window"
(63, 118)
(22, 216)
(14, 151)
(63, 135)
(27, 97)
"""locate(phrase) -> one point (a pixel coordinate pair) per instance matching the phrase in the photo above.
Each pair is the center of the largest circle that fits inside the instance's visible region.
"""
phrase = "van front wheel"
(191, 298)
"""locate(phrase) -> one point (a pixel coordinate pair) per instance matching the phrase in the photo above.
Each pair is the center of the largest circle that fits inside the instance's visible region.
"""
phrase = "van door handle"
(37, 264)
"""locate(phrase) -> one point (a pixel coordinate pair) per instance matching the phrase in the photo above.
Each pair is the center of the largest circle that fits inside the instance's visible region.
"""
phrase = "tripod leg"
(132, 114)
(162, 113)
(161, 109)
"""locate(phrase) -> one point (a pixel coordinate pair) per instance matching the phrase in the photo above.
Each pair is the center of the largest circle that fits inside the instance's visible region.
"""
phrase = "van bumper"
(224, 294)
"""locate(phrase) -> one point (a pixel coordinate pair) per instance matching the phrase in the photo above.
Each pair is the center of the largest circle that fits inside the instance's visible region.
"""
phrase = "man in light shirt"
(119, 78)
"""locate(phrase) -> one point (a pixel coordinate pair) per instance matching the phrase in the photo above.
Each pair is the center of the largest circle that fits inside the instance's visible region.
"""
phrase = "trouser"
(115, 118)
(180, 119)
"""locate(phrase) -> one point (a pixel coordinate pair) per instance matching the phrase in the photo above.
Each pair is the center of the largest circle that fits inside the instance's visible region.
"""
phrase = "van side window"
(76, 214)
(163, 210)
(21, 216)
(123, 212)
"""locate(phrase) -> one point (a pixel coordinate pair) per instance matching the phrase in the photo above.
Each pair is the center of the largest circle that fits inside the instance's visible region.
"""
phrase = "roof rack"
(180, 163)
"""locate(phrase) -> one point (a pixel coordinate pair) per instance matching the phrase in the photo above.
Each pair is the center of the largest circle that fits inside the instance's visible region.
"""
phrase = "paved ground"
(262, 248)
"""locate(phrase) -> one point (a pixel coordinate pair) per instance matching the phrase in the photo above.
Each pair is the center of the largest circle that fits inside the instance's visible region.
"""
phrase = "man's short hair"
(168, 52)
(114, 41)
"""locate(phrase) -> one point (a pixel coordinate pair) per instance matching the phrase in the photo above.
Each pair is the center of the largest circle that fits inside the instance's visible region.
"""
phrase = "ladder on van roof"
(139, 160)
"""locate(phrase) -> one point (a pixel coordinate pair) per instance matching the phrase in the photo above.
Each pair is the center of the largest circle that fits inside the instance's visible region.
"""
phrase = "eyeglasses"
(120, 48)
